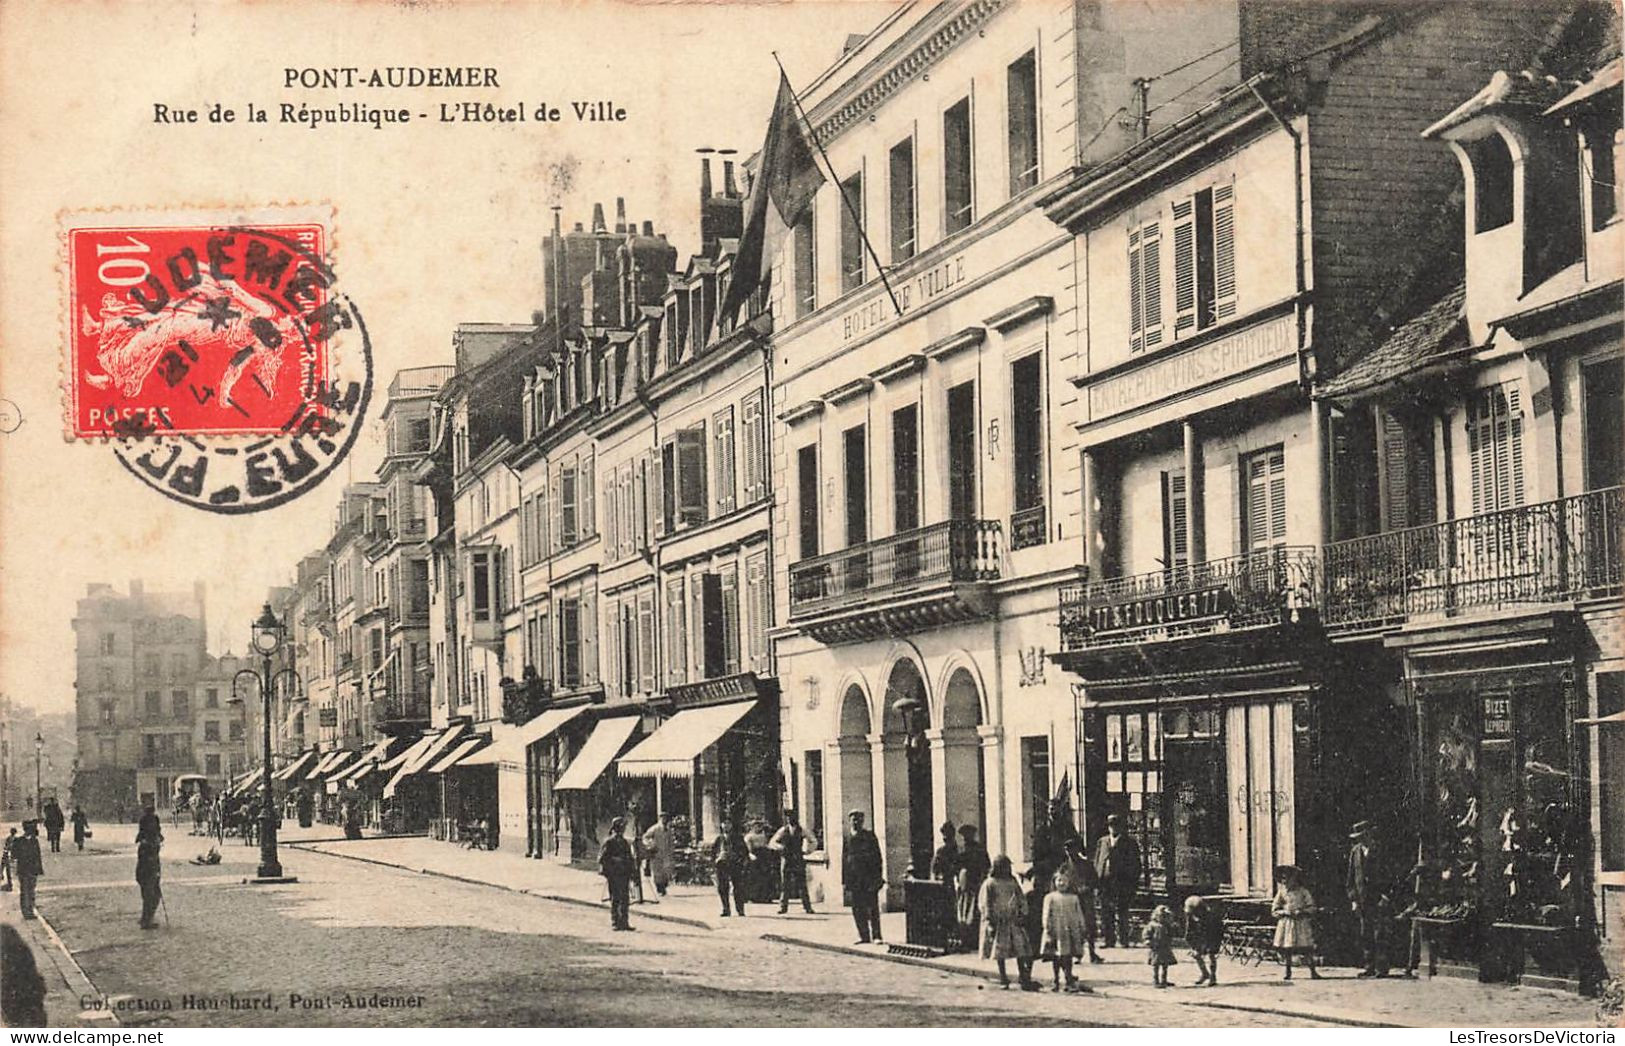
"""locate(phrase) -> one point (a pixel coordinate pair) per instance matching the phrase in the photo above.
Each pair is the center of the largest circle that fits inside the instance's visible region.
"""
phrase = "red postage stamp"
(205, 330)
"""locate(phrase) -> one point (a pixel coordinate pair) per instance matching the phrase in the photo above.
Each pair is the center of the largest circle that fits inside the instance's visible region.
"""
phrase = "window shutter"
(723, 426)
(612, 648)
(555, 503)
(758, 618)
(1514, 449)
(696, 629)
(640, 504)
(1151, 282)
(1136, 311)
(587, 491)
(612, 529)
(1477, 447)
(676, 658)
(589, 635)
(629, 509)
(646, 640)
(1184, 267)
(1257, 502)
(1224, 251)
(1277, 495)
(1396, 472)
(751, 435)
(1176, 510)
(730, 621)
(691, 474)
(667, 502)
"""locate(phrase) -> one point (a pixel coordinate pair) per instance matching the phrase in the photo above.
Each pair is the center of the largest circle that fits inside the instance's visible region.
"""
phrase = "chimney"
(620, 215)
(648, 228)
(728, 188)
(598, 218)
(578, 227)
(705, 178)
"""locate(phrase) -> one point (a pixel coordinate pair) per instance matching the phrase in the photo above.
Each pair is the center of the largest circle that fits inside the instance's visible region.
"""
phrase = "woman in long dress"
(1294, 910)
(1004, 918)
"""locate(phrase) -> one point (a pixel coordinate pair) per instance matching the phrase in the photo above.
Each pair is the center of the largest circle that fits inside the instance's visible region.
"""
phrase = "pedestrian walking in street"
(618, 867)
(1363, 890)
(1159, 943)
(945, 862)
(25, 854)
(1117, 867)
(790, 843)
(1065, 938)
(657, 846)
(306, 807)
(7, 860)
(1294, 910)
(973, 870)
(1004, 919)
(1081, 880)
(149, 841)
(81, 826)
(1204, 932)
(729, 859)
(54, 822)
(862, 876)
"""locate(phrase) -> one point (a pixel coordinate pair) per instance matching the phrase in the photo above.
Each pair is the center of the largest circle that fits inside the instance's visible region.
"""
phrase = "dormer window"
(1601, 176)
(1492, 181)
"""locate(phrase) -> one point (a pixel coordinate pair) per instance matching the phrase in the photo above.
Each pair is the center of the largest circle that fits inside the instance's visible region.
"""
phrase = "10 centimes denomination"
(206, 355)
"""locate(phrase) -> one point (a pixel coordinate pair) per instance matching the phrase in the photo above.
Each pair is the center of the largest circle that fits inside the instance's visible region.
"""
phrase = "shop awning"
(327, 762)
(297, 766)
(1617, 719)
(671, 750)
(411, 752)
(438, 744)
(511, 749)
(462, 749)
(339, 767)
(600, 750)
(242, 781)
(347, 777)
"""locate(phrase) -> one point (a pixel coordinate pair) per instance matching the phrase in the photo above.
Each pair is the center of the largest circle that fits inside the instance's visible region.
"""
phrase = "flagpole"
(851, 208)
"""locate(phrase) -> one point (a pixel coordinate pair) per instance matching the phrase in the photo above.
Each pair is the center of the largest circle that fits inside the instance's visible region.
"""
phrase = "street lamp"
(268, 635)
(39, 756)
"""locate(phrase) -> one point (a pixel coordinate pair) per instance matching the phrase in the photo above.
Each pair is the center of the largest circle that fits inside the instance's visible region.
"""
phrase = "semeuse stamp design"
(185, 339)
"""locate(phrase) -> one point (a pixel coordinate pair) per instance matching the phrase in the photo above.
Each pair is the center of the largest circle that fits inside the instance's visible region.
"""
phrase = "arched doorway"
(910, 836)
(855, 772)
(964, 772)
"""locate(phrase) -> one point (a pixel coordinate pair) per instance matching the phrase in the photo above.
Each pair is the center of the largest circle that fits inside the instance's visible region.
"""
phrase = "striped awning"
(438, 743)
(604, 744)
(671, 750)
(462, 749)
(410, 753)
(511, 748)
(297, 766)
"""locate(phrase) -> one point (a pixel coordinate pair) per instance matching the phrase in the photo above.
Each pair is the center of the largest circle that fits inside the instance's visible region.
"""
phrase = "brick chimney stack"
(648, 228)
(598, 224)
(705, 178)
(620, 216)
(729, 189)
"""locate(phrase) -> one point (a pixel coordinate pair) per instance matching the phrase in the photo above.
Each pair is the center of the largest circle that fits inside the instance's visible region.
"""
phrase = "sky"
(433, 225)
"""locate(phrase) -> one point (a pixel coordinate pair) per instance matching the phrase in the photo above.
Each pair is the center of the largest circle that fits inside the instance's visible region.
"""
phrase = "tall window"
(181, 704)
(1145, 286)
(1035, 787)
(852, 233)
(155, 703)
(962, 487)
(1601, 175)
(569, 643)
(1495, 447)
(1028, 526)
(1175, 520)
(806, 282)
(480, 582)
(719, 618)
(854, 456)
(1021, 82)
(956, 167)
(569, 508)
(902, 201)
(1263, 522)
(723, 426)
(1204, 259)
(1492, 181)
(682, 467)
(813, 759)
(753, 447)
(211, 730)
(807, 498)
(1604, 387)
(905, 450)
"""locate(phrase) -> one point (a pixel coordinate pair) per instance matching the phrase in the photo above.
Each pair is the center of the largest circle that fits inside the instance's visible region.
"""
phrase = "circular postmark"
(217, 387)
(11, 417)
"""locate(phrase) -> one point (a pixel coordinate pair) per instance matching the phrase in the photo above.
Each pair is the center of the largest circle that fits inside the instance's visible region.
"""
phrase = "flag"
(786, 180)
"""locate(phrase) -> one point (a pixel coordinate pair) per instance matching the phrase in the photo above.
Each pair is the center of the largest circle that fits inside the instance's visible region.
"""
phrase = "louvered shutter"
(589, 634)
(612, 648)
(1136, 308)
(1277, 496)
(555, 501)
(691, 475)
(730, 621)
(612, 522)
(667, 502)
(586, 488)
(751, 433)
(757, 622)
(676, 649)
(1175, 515)
(1514, 447)
(1184, 266)
(696, 628)
(1396, 472)
(630, 516)
(1151, 282)
(1478, 443)
(722, 425)
(646, 640)
(1224, 251)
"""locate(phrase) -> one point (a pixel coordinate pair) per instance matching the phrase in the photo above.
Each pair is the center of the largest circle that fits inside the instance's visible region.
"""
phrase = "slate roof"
(1437, 329)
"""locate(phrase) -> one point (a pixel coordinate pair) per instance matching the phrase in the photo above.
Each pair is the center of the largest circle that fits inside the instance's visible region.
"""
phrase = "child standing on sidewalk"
(1204, 932)
(1065, 936)
(1294, 909)
(1004, 924)
(1159, 939)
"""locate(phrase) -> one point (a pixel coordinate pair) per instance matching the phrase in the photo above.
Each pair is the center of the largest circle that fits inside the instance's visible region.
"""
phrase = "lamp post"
(268, 635)
(39, 756)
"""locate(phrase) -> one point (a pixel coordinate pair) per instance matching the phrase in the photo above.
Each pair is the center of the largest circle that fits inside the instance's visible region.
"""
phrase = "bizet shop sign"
(911, 294)
(1193, 368)
(1160, 610)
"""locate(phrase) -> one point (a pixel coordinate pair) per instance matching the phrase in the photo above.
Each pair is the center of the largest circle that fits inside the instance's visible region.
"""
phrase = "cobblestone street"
(460, 952)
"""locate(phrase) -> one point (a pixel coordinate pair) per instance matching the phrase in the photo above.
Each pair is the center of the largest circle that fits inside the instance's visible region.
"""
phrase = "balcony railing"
(1256, 588)
(954, 551)
(1555, 551)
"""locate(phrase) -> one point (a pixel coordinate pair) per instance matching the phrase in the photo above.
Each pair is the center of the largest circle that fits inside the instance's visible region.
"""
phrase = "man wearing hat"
(1117, 867)
(1364, 891)
(25, 854)
(862, 874)
(618, 867)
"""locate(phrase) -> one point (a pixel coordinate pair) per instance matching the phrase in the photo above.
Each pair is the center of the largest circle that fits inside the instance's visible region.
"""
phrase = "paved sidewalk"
(1340, 997)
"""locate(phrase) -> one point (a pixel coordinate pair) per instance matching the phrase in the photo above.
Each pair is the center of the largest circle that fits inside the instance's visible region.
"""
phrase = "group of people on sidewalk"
(22, 857)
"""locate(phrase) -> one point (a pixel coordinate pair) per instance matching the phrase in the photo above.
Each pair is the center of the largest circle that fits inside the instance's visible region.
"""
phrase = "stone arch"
(964, 769)
(961, 665)
(852, 682)
(914, 681)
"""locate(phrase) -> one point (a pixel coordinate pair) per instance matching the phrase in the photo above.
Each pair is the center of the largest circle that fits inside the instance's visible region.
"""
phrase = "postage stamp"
(206, 352)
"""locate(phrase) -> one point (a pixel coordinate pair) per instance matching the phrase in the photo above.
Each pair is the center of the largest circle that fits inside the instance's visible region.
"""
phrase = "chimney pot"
(598, 218)
(705, 178)
(578, 227)
(620, 214)
(648, 228)
(728, 188)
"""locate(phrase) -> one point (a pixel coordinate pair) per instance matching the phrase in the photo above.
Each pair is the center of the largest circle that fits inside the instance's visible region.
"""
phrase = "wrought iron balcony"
(1267, 587)
(1556, 551)
(905, 583)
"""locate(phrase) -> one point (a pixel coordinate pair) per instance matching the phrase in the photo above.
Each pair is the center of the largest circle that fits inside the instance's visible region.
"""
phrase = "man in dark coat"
(619, 868)
(25, 854)
(1117, 867)
(790, 843)
(863, 874)
(53, 825)
(729, 856)
(1364, 890)
(148, 870)
(81, 827)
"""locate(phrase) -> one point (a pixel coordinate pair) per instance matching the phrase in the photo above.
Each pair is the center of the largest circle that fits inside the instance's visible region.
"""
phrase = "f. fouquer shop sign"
(1156, 611)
